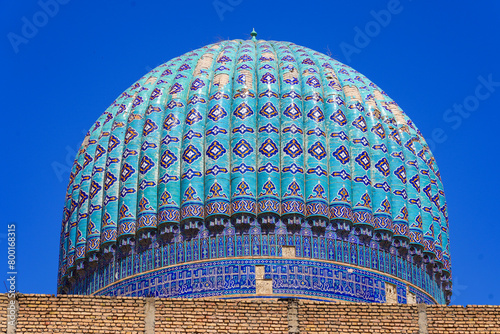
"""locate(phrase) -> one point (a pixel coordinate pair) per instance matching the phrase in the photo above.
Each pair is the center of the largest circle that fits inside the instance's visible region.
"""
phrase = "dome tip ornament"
(254, 35)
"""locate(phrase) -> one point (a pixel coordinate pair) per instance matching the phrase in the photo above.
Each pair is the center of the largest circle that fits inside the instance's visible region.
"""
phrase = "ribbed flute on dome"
(250, 163)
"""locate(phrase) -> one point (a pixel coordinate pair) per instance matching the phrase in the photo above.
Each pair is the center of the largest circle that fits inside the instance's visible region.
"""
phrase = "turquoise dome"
(252, 138)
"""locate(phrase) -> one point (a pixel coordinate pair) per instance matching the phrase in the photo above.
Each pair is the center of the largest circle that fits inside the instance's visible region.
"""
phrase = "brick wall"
(459, 319)
(318, 317)
(80, 314)
(216, 316)
(87, 314)
(3, 314)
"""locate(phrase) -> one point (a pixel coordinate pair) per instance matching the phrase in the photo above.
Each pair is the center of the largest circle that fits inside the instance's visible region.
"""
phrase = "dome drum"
(146, 236)
(217, 224)
(342, 227)
(92, 260)
(108, 251)
(191, 227)
(416, 251)
(250, 153)
(383, 237)
(318, 225)
(125, 244)
(401, 243)
(242, 222)
(363, 231)
(80, 268)
(294, 222)
(167, 232)
(429, 256)
(268, 222)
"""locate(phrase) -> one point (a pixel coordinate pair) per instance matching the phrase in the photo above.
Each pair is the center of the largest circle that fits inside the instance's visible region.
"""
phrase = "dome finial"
(254, 35)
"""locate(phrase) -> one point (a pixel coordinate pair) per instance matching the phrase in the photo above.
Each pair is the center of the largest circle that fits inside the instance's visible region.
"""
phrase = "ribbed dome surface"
(244, 134)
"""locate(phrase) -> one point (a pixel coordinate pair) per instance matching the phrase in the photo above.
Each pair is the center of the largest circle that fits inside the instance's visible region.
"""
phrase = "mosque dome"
(251, 163)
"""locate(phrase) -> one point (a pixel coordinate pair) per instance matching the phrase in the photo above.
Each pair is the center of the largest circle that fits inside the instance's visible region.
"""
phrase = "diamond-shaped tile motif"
(190, 154)
(176, 88)
(243, 168)
(363, 159)
(400, 172)
(268, 148)
(167, 159)
(363, 179)
(197, 84)
(242, 148)
(383, 166)
(243, 111)
(269, 168)
(293, 168)
(193, 116)
(190, 174)
(268, 110)
(384, 186)
(215, 150)
(313, 82)
(316, 114)
(342, 174)
(268, 78)
(292, 129)
(360, 123)
(127, 171)
(293, 148)
(379, 130)
(317, 150)
(243, 129)
(170, 122)
(341, 154)
(216, 113)
(129, 135)
(216, 130)
(146, 164)
(293, 111)
(216, 170)
(269, 128)
(339, 117)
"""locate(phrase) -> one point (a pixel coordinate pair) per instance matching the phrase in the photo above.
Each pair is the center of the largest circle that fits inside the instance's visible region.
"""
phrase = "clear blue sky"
(61, 70)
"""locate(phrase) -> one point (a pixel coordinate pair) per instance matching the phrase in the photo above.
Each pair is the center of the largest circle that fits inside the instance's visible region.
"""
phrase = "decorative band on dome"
(291, 206)
(217, 208)
(382, 223)
(339, 211)
(362, 217)
(317, 209)
(169, 215)
(244, 206)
